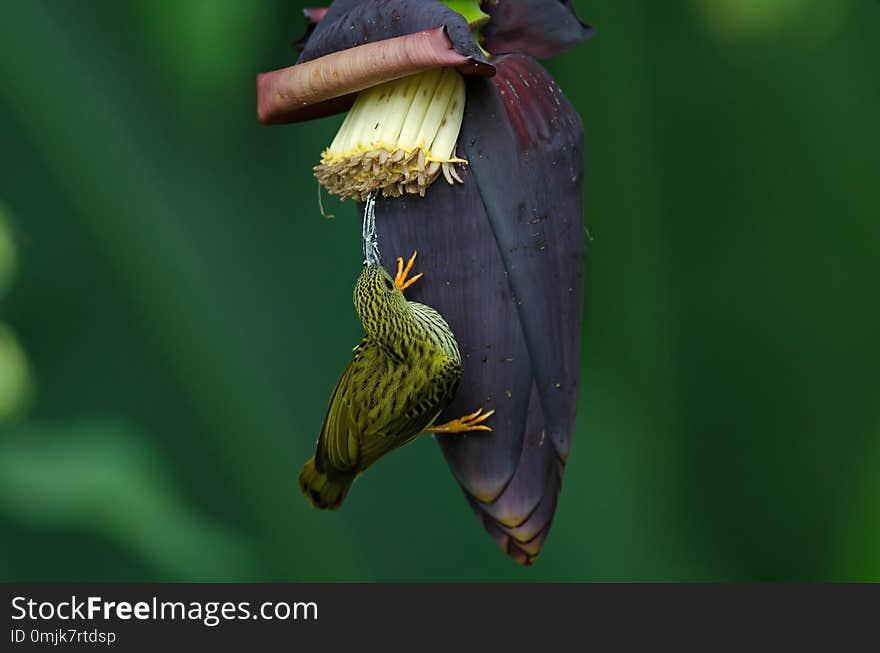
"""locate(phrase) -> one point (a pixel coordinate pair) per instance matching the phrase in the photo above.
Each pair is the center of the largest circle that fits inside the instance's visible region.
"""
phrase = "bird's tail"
(324, 492)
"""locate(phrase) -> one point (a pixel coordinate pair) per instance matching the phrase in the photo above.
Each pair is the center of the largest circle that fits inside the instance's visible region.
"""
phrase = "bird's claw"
(400, 280)
(466, 423)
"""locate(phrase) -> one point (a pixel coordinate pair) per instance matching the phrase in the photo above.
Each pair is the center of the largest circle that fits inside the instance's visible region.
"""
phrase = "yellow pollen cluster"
(398, 138)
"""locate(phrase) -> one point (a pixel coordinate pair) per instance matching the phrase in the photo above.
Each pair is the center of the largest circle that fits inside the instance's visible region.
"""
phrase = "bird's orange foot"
(464, 424)
(400, 280)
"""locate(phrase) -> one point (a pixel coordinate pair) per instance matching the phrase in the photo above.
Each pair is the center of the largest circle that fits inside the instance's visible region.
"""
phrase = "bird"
(403, 374)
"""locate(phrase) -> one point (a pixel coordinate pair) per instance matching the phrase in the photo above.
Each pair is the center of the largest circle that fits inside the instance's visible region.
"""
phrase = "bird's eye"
(389, 284)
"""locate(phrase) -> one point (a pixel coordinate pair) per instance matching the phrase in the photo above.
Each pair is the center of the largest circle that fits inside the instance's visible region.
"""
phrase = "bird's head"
(379, 302)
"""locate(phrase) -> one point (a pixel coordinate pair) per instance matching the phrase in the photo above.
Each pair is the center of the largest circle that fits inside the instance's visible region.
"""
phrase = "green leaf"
(471, 11)
(103, 478)
(7, 252)
(15, 376)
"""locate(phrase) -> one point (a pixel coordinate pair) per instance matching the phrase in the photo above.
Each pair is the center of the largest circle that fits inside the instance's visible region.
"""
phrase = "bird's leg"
(400, 280)
(464, 424)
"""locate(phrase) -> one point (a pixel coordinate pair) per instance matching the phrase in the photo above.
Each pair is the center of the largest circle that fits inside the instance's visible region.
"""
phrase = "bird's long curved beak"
(371, 241)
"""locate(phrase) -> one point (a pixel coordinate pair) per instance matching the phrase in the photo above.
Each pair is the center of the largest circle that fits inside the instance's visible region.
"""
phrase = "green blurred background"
(175, 310)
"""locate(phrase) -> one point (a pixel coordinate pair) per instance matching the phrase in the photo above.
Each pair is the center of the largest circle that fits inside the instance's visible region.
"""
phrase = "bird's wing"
(338, 443)
(379, 405)
(414, 407)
